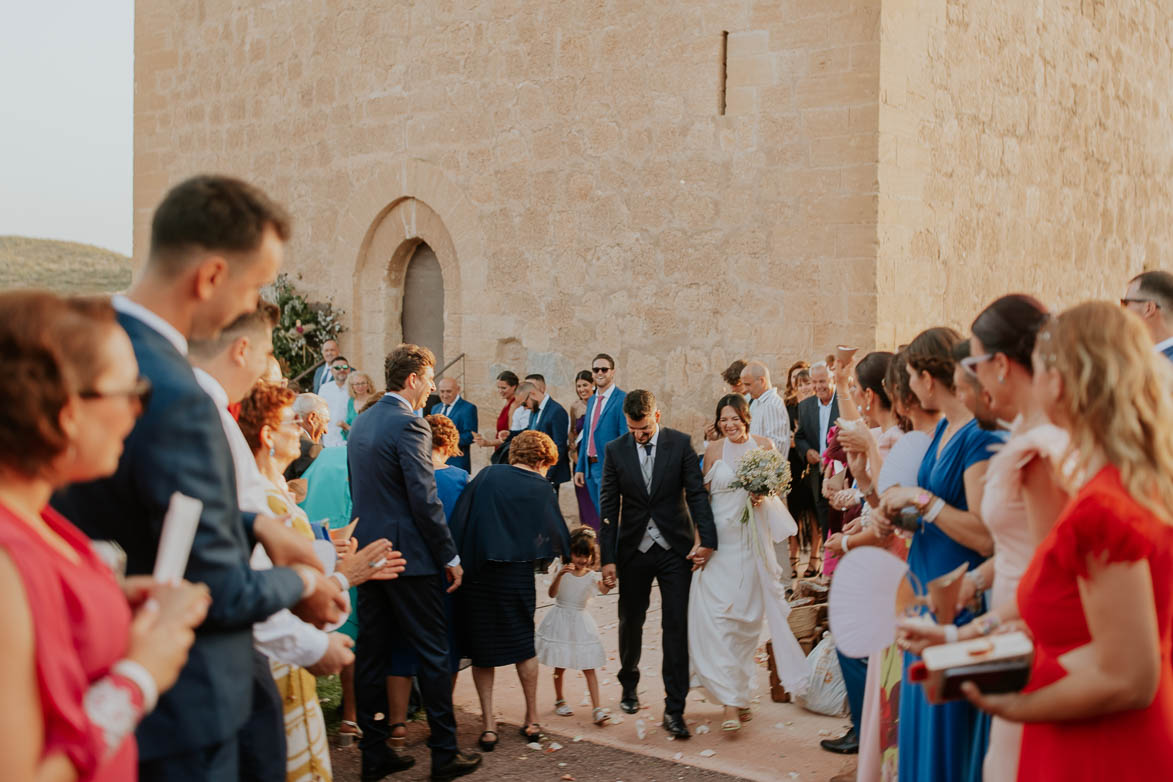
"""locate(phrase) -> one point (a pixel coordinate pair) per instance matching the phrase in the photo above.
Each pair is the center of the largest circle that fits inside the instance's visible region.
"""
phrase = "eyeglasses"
(600, 370)
(1126, 302)
(140, 392)
(340, 368)
(971, 362)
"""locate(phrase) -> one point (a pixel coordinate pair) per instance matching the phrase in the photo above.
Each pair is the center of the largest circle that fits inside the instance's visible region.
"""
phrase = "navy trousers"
(855, 674)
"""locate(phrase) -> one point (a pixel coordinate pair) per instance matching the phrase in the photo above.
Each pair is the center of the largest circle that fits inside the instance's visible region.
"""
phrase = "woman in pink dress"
(78, 669)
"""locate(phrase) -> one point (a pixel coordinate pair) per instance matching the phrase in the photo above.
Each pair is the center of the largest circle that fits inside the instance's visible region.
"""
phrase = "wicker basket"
(803, 619)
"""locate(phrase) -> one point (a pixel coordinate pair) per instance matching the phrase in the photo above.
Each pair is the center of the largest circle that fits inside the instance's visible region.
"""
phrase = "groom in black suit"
(651, 485)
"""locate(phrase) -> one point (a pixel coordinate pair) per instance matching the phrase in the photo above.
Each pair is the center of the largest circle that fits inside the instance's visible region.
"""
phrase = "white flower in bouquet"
(765, 473)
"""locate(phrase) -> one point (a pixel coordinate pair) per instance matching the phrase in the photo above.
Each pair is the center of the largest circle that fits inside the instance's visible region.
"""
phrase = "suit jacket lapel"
(660, 453)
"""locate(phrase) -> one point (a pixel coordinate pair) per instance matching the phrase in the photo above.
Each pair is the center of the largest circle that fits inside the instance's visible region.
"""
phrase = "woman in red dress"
(507, 383)
(77, 670)
(1098, 594)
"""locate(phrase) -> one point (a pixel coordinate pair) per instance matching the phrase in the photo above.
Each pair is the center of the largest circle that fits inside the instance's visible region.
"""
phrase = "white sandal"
(561, 709)
(731, 725)
(600, 715)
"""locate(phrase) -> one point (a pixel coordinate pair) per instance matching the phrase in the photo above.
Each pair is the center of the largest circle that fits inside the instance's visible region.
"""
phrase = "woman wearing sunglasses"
(84, 656)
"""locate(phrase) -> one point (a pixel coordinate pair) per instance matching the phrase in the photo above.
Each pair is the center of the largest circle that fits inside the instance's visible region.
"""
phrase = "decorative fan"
(869, 594)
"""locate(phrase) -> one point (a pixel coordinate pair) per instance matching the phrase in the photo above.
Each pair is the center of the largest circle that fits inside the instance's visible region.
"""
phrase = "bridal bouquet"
(764, 473)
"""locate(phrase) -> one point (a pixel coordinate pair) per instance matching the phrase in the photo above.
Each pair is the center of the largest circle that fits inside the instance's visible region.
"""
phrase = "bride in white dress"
(738, 592)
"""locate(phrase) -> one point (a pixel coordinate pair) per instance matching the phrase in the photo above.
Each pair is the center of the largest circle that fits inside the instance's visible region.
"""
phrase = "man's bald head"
(448, 389)
(755, 378)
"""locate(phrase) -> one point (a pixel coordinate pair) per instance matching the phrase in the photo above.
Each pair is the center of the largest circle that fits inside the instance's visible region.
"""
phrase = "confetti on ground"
(678, 756)
(707, 753)
(700, 729)
(780, 725)
(567, 778)
(553, 746)
(533, 745)
(824, 732)
(641, 729)
(577, 739)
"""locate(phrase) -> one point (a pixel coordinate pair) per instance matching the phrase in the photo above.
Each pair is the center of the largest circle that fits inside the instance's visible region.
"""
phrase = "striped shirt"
(769, 419)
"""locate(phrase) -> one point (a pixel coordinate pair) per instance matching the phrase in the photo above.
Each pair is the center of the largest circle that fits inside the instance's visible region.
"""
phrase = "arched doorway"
(423, 302)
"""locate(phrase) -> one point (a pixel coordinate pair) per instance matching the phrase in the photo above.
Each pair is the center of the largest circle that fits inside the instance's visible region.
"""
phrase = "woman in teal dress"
(327, 497)
(944, 743)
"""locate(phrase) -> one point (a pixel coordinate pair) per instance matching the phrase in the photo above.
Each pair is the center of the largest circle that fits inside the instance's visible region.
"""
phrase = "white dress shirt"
(770, 419)
(282, 637)
(446, 410)
(139, 312)
(520, 419)
(338, 399)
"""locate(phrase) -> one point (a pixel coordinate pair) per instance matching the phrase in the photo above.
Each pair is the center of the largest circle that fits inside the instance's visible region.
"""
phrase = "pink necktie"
(594, 422)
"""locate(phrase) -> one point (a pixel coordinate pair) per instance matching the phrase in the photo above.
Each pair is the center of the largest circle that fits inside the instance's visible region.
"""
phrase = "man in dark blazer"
(550, 418)
(323, 375)
(214, 242)
(603, 423)
(816, 415)
(651, 485)
(393, 486)
(463, 414)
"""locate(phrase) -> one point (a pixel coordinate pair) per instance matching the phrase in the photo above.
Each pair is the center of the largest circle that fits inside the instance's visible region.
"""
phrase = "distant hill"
(64, 267)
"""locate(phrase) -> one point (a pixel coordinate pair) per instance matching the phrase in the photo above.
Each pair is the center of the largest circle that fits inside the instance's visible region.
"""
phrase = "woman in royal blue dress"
(944, 743)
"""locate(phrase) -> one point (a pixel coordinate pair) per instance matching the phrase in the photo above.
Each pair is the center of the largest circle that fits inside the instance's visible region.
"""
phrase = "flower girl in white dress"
(568, 636)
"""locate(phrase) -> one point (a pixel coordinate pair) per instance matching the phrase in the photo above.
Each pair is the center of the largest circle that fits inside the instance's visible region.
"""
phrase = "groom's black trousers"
(674, 574)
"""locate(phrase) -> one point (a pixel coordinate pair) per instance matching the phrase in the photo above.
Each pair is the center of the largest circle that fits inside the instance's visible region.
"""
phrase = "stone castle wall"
(1023, 147)
(877, 166)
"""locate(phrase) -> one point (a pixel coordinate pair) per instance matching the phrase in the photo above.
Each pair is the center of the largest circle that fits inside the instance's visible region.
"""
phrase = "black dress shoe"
(847, 744)
(388, 764)
(629, 703)
(463, 763)
(674, 724)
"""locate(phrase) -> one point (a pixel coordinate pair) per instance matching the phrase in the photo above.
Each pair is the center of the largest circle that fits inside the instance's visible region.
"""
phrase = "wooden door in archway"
(423, 302)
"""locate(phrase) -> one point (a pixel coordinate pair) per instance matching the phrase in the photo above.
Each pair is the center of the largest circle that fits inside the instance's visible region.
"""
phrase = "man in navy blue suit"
(462, 413)
(323, 375)
(214, 242)
(393, 487)
(604, 422)
(1150, 296)
(551, 418)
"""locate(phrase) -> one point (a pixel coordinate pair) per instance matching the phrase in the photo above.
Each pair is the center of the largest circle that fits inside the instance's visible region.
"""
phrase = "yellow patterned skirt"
(307, 755)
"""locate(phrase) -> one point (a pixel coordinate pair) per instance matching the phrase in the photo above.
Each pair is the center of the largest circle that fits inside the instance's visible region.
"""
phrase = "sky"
(67, 120)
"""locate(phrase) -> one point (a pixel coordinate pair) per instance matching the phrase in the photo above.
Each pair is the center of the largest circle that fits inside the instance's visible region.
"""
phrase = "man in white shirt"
(227, 368)
(767, 410)
(337, 396)
(1150, 296)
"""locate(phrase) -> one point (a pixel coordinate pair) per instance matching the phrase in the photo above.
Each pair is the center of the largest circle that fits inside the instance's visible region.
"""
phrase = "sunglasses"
(600, 370)
(140, 392)
(1126, 302)
(340, 368)
(971, 362)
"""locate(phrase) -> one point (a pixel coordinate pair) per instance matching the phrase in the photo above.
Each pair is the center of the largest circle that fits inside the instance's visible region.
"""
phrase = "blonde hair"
(355, 376)
(1117, 398)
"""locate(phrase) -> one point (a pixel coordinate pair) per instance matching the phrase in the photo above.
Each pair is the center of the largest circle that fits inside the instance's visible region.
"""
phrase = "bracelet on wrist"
(951, 633)
(934, 510)
(843, 543)
(142, 679)
(988, 623)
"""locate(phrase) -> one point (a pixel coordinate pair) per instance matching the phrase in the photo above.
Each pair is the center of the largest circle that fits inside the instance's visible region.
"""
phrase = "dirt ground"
(512, 761)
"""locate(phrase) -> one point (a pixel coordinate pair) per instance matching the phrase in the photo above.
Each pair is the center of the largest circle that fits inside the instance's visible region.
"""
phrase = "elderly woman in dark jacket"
(507, 518)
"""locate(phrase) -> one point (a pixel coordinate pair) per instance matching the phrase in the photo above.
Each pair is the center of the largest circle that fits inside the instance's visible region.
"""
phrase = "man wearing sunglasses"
(1150, 296)
(604, 423)
(337, 396)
